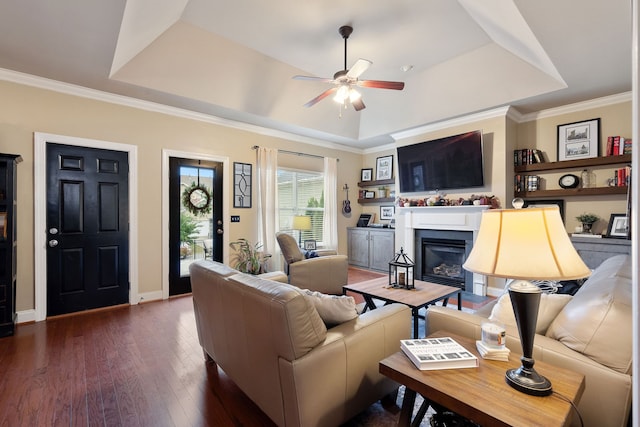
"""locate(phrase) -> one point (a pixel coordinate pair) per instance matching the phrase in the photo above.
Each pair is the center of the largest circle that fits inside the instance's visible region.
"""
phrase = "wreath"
(196, 198)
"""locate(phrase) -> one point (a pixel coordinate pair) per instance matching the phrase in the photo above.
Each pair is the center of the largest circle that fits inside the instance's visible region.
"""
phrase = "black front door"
(195, 217)
(87, 228)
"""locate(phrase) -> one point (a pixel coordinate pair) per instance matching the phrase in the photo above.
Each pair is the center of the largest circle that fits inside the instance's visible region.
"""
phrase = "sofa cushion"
(333, 309)
(597, 322)
(550, 306)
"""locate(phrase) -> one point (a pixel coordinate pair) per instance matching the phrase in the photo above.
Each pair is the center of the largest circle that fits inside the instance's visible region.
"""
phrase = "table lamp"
(525, 244)
(301, 223)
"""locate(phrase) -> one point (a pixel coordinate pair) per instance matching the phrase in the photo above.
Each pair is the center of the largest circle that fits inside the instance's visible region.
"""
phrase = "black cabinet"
(8, 245)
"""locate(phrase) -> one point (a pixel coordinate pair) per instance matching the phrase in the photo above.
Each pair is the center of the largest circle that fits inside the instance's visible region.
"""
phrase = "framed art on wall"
(384, 167)
(241, 185)
(386, 212)
(579, 140)
(366, 174)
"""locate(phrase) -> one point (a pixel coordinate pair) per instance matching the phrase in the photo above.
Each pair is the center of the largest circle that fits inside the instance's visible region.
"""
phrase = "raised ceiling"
(235, 60)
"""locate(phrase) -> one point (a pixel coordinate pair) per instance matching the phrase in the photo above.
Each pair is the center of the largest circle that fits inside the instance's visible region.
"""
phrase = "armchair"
(326, 273)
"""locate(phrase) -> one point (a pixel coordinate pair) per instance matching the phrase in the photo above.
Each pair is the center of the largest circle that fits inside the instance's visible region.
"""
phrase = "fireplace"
(440, 255)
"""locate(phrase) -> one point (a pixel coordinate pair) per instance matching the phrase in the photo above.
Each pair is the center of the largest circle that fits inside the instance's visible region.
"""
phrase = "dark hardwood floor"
(128, 366)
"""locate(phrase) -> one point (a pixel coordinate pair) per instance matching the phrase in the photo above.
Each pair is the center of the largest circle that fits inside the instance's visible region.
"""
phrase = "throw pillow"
(333, 309)
(550, 306)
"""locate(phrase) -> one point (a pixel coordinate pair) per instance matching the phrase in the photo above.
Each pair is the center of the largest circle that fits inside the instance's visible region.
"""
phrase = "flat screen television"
(454, 162)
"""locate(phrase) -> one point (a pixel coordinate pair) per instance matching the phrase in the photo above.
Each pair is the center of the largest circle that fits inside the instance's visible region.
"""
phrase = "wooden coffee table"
(481, 394)
(424, 294)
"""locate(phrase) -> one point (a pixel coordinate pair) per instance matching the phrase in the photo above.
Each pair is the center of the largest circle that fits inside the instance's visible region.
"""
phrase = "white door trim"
(166, 154)
(40, 141)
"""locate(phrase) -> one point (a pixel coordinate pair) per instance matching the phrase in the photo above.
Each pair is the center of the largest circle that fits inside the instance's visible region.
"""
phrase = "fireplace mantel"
(459, 218)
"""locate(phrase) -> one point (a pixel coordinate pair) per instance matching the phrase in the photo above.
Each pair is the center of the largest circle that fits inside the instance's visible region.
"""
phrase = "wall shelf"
(600, 191)
(574, 164)
(376, 200)
(376, 183)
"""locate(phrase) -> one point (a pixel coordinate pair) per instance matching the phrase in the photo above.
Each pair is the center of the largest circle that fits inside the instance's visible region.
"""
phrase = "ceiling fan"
(345, 80)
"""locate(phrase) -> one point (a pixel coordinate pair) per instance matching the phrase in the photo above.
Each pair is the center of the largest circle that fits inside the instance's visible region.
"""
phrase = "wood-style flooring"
(129, 366)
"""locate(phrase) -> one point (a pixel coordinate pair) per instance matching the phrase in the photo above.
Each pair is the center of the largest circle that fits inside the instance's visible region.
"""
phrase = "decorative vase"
(586, 227)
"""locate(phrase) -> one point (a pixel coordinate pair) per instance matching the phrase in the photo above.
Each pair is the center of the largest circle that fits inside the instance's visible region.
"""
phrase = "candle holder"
(401, 270)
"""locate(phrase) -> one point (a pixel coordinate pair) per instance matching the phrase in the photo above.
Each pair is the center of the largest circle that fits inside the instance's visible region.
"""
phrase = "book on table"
(438, 353)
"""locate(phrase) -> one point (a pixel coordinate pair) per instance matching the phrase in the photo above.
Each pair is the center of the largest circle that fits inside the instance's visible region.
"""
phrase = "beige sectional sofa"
(270, 340)
(590, 334)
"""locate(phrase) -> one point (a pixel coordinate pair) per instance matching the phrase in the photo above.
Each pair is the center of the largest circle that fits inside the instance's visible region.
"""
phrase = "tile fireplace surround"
(458, 218)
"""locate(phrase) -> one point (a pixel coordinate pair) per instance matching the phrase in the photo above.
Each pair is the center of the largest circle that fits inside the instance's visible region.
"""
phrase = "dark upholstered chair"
(326, 273)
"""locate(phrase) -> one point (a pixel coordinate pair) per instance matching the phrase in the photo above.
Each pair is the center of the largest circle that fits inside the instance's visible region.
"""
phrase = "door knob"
(219, 231)
(53, 230)
(53, 243)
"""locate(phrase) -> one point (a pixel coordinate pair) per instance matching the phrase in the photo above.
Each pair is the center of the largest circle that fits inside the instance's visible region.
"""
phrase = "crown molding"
(577, 107)
(457, 121)
(127, 101)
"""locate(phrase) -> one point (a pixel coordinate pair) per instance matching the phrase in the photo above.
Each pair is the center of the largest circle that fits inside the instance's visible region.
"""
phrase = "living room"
(38, 105)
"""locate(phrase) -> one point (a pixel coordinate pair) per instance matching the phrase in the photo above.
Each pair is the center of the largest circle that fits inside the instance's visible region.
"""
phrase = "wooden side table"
(481, 394)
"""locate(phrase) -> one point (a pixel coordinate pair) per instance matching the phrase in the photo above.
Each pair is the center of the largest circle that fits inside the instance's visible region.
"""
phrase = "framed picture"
(386, 212)
(366, 174)
(369, 194)
(309, 245)
(618, 226)
(241, 185)
(543, 203)
(579, 140)
(384, 167)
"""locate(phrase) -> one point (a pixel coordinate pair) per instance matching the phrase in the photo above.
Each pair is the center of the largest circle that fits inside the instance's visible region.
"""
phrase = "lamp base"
(528, 381)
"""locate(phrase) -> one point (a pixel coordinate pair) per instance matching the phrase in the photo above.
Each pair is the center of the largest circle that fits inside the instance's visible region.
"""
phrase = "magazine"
(438, 353)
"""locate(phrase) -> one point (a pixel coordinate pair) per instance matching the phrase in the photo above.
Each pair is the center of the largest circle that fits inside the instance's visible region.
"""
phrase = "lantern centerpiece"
(401, 271)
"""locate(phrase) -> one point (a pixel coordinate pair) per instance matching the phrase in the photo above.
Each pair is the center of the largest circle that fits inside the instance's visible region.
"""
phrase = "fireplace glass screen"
(442, 261)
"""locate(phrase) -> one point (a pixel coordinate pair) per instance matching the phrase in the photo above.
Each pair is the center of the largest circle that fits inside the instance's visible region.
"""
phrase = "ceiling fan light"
(354, 95)
(342, 94)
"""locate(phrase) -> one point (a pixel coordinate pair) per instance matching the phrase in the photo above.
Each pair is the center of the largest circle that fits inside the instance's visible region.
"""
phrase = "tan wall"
(25, 110)
(542, 134)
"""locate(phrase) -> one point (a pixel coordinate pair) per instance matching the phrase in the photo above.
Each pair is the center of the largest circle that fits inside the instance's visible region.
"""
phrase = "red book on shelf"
(616, 146)
(609, 151)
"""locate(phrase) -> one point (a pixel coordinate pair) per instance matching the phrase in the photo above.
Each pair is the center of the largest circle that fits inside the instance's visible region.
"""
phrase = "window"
(301, 193)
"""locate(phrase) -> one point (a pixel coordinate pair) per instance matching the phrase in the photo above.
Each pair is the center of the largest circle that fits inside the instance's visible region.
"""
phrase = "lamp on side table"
(527, 244)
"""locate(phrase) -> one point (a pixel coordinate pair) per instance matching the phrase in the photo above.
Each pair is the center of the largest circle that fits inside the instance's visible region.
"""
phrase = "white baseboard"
(149, 296)
(26, 316)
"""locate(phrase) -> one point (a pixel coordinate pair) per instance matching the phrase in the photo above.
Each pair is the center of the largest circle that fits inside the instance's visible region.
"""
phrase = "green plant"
(248, 258)
(188, 227)
(587, 218)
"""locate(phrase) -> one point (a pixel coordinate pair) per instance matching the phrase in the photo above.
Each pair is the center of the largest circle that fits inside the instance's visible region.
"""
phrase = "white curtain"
(267, 169)
(330, 224)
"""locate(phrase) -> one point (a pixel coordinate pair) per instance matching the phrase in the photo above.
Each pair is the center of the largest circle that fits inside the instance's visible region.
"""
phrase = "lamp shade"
(301, 222)
(527, 244)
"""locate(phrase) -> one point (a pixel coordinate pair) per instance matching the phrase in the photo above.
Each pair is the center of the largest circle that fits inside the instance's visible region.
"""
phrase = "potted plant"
(248, 258)
(587, 220)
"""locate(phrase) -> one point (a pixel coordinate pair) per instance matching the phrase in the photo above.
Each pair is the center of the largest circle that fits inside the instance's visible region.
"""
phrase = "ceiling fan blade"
(358, 104)
(358, 68)
(381, 84)
(320, 97)
(317, 79)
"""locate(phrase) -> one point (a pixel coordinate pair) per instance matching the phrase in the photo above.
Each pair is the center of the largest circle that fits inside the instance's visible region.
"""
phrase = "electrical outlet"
(235, 218)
